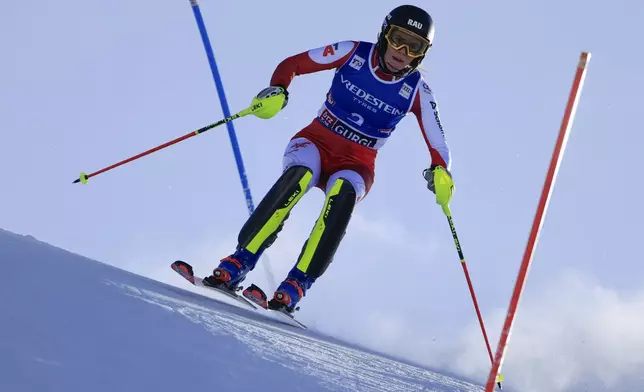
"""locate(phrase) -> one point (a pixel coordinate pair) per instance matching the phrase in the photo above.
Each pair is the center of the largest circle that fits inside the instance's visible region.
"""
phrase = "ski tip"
(184, 269)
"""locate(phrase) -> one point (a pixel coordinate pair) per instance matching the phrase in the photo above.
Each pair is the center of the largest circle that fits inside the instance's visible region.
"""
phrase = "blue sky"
(84, 87)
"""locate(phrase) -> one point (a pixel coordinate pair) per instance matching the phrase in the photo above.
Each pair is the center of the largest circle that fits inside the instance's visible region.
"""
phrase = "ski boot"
(290, 292)
(232, 270)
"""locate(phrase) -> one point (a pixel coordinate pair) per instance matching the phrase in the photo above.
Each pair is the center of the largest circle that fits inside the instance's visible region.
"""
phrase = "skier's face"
(396, 60)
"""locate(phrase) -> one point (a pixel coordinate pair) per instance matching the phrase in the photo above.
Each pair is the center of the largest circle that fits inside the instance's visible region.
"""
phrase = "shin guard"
(329, 229)
(261, 229)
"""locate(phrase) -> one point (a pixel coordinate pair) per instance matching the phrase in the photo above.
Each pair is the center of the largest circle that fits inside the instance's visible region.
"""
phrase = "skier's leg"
(344, 189)
(301, 172)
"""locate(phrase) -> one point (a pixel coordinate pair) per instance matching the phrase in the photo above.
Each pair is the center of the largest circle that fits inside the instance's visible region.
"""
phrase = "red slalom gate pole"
(560, 146)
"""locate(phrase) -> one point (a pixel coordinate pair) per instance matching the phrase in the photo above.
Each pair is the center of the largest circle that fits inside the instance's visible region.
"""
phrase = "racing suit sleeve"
(314, 60)
(426, 111)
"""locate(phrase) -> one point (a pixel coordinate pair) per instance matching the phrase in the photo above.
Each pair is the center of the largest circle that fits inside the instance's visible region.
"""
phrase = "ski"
(185, 270)
(252, 292)
(247, 298)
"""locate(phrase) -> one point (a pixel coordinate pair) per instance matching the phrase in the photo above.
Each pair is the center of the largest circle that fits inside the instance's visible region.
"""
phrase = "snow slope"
(78, 324)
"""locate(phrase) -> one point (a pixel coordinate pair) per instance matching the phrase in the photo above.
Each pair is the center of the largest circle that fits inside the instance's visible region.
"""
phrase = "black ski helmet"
(411, 18)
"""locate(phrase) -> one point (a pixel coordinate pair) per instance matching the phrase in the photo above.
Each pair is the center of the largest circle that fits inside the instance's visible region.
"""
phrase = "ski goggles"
(415, 45)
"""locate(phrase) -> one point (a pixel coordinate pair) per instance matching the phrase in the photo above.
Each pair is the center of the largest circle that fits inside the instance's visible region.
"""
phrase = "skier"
(374, 87)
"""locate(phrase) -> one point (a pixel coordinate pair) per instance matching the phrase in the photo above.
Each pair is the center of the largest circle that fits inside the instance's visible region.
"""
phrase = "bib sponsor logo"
(354, 136)
(367, 100)
(405, 91)
(357, 62)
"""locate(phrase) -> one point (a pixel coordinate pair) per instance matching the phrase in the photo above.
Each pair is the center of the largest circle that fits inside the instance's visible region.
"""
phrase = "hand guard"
(269, 101)
(439, 181)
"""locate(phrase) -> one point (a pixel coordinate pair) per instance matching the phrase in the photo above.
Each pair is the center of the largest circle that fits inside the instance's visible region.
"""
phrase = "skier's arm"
(426, 111)
(439, 179)
(314, 60)
(275, 97)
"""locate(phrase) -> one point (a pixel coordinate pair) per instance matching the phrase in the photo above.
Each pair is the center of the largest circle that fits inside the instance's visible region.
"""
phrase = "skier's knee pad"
(356, 179)
(329, 229)
(261, 229)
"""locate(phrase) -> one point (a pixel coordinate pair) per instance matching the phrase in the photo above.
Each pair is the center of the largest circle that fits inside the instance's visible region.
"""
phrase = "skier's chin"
(392, 67)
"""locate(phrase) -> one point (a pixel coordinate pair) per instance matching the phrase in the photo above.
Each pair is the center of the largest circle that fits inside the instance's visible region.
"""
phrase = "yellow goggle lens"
(399, 38)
